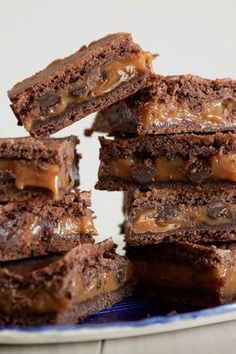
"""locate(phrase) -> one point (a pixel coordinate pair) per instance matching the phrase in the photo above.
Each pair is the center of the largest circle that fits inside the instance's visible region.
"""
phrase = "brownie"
(182, 272)
(63, 288)
(93, 78)
(30, 166)
(173, 104)
(173, 213)
(39, 226)
(145, 161)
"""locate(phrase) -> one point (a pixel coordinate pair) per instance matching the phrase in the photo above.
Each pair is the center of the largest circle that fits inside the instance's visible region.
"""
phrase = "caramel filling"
(156, 114)
(222, 167)
(27, 175)
(147, 220)
(81, 289)
(108, 76)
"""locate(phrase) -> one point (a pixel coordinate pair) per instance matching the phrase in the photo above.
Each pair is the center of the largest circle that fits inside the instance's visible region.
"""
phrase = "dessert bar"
(93, 78)
(63, 288)
(40, 225)
(140, 162)
(46, 165)
(193, 274)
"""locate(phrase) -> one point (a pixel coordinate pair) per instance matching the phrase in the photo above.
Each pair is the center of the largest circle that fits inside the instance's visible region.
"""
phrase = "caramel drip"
(112, 74)
(222, 167)
(153, 113)
(27, 175)
(176, 275)
(80, 288)
(146, 220)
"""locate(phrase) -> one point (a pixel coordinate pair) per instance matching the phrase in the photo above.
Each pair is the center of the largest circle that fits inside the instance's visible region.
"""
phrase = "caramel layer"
(146, 220)
(222, 167)
(175, 275)
(52, 177)
(108, 76)
(81, 289)
(153, 113)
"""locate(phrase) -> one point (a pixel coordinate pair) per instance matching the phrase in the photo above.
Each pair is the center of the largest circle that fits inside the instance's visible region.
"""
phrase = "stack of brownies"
(173, 152)
(50, 269)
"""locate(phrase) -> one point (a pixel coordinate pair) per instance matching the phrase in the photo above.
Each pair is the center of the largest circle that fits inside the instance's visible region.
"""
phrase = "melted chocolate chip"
(198, 172)
(120, 276)
(216, 209)
(48, 101)
(167, 212)
(78, 91)
(143, 174)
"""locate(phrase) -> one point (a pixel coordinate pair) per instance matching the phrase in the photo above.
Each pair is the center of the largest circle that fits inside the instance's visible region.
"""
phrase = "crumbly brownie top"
(181, 194)
(98, 52)
(198, 255)
(185, 145)
(74, 203)
(49, 150)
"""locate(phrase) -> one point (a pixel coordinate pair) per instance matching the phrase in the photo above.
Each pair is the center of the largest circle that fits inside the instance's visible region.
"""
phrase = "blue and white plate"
(133, 317)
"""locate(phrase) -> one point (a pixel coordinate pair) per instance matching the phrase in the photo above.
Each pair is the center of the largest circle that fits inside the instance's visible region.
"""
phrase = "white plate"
(133, 317)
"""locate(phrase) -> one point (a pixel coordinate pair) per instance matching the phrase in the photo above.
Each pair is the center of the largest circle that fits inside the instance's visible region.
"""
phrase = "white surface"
(191, 36)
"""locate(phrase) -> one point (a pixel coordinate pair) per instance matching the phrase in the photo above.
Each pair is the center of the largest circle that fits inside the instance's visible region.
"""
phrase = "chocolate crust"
(35, 227)
(53, 276)
(77, 68)
(192, 91)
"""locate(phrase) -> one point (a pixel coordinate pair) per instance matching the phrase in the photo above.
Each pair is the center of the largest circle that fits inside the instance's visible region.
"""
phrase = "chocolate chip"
(99, 284)
(120, 276)
(48, 101)
(143, 173)
(78, 91)
(216, 209)
(104, 75)
(94, 77)
(167, 212)
(199, 171)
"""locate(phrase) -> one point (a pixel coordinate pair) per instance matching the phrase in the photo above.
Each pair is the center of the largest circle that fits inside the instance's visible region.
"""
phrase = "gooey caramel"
(153, 113)
(222, 167)
(27, 175)
(81, 289)
(146, 220)
(174, 275)
(111, 75)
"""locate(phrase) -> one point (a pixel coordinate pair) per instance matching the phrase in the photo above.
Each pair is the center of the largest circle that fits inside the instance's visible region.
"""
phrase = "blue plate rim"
(218, 310)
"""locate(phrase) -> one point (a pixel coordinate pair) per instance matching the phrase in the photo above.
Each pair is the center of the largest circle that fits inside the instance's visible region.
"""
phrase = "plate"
(132, 317)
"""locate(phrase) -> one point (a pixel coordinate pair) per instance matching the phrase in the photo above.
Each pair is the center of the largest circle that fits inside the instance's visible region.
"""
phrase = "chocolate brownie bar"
(194, 274)
(40, 225)
(173, 213)
(173, 104)
(93, 78)
(63, 288)
(144, 161)
(46, 165)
